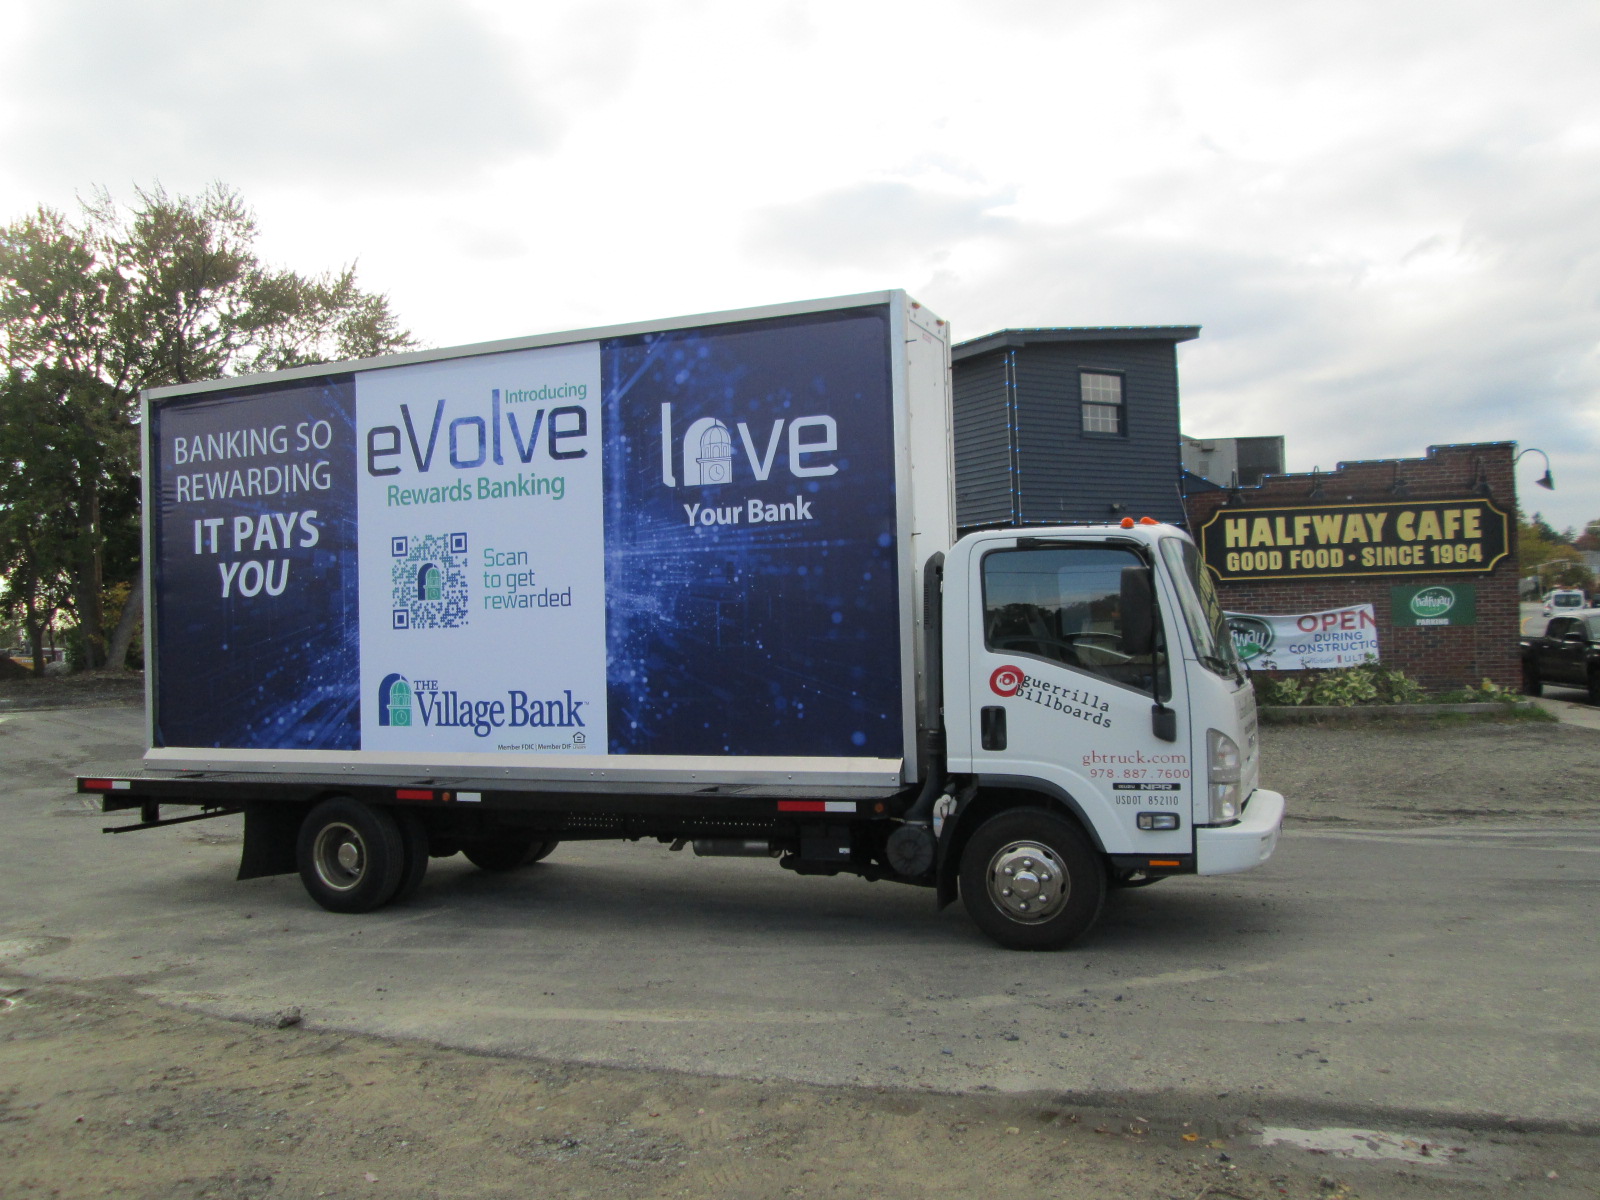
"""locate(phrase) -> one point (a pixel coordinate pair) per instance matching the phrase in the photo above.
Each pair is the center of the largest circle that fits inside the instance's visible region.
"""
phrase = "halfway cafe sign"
(1427, 537)
(1339, 637)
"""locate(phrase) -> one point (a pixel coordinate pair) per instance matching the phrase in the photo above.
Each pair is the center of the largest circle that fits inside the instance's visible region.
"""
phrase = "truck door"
(1060, 695)
(1563, 651)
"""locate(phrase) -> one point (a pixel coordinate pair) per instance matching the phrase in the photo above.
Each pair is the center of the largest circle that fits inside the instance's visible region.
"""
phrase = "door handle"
(992, 727)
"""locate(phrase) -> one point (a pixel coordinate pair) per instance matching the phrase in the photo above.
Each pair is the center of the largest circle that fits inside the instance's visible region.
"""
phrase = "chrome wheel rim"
(340, 856)
(1027, 882)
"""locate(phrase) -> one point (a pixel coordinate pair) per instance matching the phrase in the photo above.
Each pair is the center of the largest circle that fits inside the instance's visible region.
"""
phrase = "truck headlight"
(1222, 777)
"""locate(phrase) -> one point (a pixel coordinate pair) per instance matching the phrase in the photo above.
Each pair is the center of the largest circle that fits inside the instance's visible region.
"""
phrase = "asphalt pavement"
(1445, 973)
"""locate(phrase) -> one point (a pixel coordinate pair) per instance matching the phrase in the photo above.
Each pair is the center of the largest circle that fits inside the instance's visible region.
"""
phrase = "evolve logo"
(706, 452)
(1433, 602)
(475, 438)
(1252, 637)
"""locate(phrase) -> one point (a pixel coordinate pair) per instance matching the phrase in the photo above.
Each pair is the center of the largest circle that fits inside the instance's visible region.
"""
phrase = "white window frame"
(1100, 414)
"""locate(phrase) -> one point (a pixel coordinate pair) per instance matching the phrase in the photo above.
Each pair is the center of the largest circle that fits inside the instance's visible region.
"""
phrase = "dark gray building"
(1060, 425)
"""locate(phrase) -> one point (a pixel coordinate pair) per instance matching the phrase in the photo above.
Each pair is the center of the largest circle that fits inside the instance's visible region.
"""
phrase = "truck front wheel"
(1030, 880)
(352, 856)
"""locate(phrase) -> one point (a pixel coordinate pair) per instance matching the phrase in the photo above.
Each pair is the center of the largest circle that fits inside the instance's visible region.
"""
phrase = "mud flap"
(270, 831)
(948, 812)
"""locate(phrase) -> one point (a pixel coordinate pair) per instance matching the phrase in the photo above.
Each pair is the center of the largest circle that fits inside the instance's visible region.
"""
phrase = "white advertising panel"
(481, 554)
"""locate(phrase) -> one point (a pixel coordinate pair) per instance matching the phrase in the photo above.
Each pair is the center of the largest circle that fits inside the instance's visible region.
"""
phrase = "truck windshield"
(1202, 610)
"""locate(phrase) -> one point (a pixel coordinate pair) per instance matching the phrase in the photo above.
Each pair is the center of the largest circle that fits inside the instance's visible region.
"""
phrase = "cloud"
(1366, 301)
(873, 225)
(349, 90)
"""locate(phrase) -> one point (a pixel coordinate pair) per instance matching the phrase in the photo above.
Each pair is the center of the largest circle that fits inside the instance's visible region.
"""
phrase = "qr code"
(429, 581)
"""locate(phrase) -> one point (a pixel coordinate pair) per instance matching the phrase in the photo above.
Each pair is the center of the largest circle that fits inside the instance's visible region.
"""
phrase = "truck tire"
(507, 852)
(415, 851)
(1532, 685)
(351, 855)
(1031, 881)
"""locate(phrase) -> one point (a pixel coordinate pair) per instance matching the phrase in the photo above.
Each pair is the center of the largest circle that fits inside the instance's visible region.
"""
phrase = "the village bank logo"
(407, 703)
(705, 454)
(1433, 602)
(1251, 637)
(394, 700)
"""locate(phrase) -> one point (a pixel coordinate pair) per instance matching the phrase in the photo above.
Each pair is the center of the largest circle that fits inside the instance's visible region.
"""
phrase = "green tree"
(1549, 556)
(169, 290)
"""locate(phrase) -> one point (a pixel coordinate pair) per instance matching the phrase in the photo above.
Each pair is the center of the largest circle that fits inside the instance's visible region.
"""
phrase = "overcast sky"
(1384, 216)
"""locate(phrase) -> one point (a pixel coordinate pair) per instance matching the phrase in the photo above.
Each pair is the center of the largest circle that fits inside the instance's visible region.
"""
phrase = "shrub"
(1342, 687)
(1487, 692)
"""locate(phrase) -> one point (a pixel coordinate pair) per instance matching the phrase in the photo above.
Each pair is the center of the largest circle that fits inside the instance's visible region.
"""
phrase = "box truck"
(693, 580)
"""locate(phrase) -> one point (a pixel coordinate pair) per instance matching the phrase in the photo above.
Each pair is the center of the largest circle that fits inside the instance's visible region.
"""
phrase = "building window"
(1102, 402)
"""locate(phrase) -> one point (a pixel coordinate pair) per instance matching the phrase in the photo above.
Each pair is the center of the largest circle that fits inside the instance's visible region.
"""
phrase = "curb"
(1294, 712)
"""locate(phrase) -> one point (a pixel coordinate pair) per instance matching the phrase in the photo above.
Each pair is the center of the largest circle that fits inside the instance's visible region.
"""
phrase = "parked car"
(1568, 654)
(1563, 600)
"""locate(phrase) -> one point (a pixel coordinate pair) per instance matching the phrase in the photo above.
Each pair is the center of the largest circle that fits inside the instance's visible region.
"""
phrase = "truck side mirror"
(1138, 611)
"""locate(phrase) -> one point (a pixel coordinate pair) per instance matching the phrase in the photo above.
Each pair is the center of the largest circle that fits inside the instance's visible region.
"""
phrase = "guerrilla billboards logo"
(428, 581)
(1433, 604)
(1010, 681)
(1006, 680)
(406, 704)
(1252, 637)
(706, 456)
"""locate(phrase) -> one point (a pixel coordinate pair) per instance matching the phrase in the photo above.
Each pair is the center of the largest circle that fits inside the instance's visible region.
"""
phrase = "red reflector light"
(97, 785)
(802, 806)
(412, 794)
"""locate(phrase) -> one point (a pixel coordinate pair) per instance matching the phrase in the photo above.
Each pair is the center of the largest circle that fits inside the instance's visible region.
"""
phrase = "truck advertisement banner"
(1433, 537)
(1336, 637)
(676, 543)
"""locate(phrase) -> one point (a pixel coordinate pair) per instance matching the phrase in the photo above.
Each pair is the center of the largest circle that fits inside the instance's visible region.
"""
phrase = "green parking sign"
(1436, 604)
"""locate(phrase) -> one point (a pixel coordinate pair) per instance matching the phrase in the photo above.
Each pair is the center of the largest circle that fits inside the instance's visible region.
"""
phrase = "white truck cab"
(1091, 667)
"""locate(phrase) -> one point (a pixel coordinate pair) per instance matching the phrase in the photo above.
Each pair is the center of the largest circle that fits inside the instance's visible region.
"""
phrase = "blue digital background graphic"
(773, 638)
(258, 672)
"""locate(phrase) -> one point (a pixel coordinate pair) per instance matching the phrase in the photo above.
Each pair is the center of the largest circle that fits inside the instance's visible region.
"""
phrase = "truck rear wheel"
(507, 852)
(415, 852)
(1030, 881)
(352, 856)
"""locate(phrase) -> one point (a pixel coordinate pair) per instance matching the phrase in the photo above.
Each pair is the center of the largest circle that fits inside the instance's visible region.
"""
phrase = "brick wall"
(1438, 657)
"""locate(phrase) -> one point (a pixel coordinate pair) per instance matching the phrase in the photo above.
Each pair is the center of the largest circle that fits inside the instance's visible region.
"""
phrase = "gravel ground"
(56, 691)
(103, 1092)
(1447, 770)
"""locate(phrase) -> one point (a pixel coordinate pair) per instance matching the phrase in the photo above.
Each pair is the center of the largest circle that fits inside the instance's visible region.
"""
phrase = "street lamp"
(1545, 481)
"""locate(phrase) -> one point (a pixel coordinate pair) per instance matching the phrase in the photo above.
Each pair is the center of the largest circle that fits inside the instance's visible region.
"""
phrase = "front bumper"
(1247, 843)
